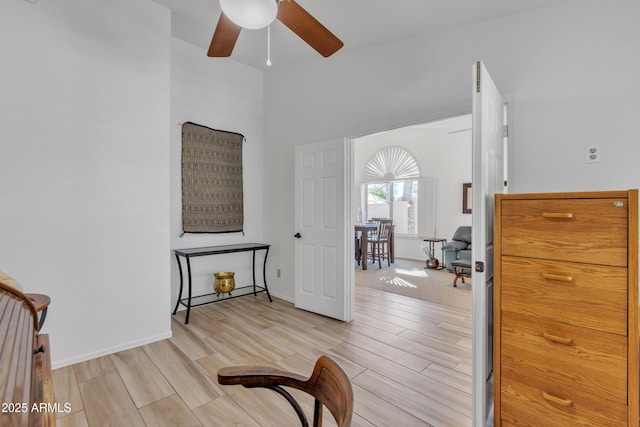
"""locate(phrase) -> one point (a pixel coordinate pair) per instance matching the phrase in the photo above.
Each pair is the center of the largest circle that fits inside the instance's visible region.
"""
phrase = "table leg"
(392, 238)
(433, 249)
(175, 310)
(186, 321)
(264, 274)
(253, 268)
(442, 266)
(364, 247)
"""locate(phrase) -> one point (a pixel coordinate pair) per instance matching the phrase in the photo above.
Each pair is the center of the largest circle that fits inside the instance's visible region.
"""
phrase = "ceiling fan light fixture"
(250, 14)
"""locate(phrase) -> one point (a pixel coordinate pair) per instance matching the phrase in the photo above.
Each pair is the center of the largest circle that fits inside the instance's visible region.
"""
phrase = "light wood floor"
(409, 362)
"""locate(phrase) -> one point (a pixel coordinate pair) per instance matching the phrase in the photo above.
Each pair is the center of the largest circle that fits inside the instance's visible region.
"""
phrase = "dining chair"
(328, 384)
(380, 241)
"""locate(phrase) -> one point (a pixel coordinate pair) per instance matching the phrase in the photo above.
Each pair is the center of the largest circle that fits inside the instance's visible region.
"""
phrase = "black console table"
(194, 301)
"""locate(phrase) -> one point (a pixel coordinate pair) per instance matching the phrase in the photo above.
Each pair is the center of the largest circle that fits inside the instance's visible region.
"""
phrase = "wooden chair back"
(384, 228)
(328, 384)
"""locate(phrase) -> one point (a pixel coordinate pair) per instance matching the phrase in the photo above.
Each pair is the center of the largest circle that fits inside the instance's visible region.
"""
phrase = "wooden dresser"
(26, 385)
(566, 309)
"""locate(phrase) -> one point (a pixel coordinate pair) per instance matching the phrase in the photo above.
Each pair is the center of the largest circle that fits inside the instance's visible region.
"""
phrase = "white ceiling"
(358, 23)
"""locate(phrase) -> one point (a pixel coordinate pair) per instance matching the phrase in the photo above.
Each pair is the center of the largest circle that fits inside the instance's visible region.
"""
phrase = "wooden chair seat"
(328, 384)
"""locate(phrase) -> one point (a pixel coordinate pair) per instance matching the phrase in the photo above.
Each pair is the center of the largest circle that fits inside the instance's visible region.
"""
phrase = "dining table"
(363, 230)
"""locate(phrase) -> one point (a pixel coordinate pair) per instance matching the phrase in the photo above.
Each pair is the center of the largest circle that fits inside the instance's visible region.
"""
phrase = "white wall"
(84, 182)
(439, 154)
(226, 95)
(569, 68)
(575, 86)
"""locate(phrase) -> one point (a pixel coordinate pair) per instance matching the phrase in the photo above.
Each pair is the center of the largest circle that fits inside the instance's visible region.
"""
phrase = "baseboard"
(410, 258)
(282, 297)
(110, 350)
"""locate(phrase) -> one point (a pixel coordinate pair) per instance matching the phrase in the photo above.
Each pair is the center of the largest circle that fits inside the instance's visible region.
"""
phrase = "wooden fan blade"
(308, 28)
(224, 37)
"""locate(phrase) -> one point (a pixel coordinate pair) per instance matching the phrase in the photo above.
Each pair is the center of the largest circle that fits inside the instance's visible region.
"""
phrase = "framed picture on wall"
(466, 198)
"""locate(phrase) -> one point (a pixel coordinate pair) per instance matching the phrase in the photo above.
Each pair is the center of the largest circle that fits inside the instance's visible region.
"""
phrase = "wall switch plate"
(592, 154)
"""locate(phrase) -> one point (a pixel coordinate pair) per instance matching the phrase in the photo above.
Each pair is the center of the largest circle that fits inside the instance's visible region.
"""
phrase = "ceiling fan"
(255, 14)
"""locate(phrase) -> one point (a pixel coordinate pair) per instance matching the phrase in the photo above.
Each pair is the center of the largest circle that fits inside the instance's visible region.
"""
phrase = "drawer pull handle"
(557, 215)
(558, 277)
(559, 340)
(557, 400)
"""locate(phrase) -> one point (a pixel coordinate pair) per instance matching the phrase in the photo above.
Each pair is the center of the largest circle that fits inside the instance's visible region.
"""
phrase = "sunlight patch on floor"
(412, 272)
(397, 281)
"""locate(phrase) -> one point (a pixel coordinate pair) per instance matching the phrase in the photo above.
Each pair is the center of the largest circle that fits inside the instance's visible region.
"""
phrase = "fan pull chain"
(268, 45)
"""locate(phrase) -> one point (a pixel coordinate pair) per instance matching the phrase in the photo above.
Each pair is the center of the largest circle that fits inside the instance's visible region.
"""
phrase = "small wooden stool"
(462, 269)
(41, 302)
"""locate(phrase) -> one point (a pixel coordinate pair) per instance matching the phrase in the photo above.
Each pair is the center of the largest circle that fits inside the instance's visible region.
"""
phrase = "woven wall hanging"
(212, 188)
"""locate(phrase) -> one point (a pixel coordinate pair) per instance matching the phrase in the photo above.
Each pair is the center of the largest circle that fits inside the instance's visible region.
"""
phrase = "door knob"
(297, 235)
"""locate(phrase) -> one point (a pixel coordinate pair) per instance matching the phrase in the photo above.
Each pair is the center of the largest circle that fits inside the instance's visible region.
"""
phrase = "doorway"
(442, 153)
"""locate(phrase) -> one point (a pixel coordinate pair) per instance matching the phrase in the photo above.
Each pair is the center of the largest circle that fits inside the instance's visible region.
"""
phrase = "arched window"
(394, 188)
(391, 163)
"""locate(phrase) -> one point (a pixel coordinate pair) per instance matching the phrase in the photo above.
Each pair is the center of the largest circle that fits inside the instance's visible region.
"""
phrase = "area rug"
(410, 278)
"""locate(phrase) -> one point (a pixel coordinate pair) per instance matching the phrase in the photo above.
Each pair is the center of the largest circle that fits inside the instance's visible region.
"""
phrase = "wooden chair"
(40, 301)
(380, 241)
(328, 384)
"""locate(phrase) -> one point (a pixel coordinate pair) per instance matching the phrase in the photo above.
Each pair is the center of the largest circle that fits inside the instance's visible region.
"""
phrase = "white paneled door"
(323, 277)
(488, 179)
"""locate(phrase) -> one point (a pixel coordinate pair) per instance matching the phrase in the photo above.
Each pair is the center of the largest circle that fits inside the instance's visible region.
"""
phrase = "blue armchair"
(458, 248)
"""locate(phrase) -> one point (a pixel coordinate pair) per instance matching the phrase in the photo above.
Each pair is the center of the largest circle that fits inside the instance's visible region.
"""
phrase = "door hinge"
(505, 131)
(480, 267)
(477, 77)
